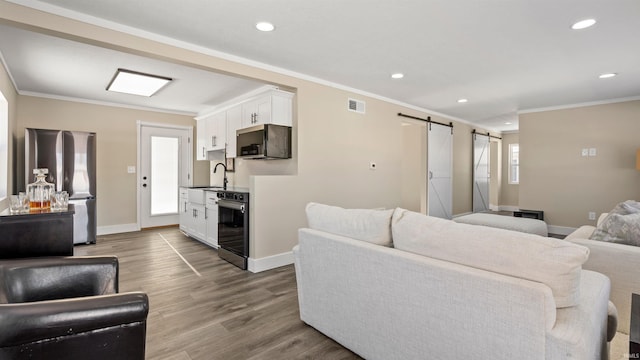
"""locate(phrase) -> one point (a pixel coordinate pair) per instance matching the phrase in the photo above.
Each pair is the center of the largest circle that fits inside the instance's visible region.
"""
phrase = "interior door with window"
(439, 170)
(165, 157)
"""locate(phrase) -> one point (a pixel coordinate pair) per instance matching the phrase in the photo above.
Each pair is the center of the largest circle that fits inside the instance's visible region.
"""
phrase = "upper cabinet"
(211, 135)
(217, 130)
(234, 122)
(274, 107)
(201, 140)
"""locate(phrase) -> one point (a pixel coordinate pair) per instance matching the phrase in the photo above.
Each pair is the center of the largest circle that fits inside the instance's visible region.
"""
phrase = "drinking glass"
(64, 200)
(15, 205)
(59, 201)
(24, 200)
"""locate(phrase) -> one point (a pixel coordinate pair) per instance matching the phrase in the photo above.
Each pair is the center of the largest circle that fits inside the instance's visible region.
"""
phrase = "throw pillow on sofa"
(622, 225)
(554, 262)
(372, 226)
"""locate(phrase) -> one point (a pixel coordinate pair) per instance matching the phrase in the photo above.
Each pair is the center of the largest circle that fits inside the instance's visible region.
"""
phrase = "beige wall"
(9, 93)
(116, 135)
(333, 147)
(414, 165)
(508, 192)
(557, 179)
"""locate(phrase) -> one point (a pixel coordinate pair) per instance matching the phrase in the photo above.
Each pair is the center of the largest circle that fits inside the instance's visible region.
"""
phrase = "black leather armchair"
(69, 308)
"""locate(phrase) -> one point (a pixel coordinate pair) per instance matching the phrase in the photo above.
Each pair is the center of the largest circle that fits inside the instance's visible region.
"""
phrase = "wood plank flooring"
(212, 310)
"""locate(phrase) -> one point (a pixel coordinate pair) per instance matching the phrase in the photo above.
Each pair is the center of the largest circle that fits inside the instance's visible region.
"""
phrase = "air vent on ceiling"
(356, 105)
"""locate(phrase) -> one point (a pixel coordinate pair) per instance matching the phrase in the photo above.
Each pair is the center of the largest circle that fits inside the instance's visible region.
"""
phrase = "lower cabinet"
(212, 226)
(185, 217)
(211, 207)
(193, 222)
(198, 228)
(200, 221)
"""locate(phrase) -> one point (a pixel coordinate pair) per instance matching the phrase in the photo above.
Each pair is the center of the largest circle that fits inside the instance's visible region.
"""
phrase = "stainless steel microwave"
(265, 141)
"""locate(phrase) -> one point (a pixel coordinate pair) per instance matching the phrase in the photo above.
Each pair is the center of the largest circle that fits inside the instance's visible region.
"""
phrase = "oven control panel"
(234, 196)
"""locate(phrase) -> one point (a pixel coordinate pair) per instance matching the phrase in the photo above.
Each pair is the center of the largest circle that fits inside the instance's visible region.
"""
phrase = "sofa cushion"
(621, 225)
(554, 262)
(372, 226)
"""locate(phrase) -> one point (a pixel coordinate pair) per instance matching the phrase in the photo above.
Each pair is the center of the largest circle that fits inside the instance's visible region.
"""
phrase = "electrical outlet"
(592, 152)
(592, 215)
(585, 152)
(372, 165)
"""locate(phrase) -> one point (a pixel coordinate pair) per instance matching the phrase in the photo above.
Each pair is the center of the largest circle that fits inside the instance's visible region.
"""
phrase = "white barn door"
(480, 173)
(439, 169)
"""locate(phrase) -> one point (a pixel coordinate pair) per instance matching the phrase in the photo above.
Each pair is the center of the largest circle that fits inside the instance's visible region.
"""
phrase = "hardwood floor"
(210, 309)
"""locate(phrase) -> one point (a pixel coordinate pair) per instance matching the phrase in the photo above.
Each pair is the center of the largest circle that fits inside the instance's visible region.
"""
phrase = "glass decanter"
(40, 191)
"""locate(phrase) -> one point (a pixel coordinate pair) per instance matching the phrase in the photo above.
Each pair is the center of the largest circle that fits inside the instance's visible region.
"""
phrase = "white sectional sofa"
(620, 262)
(482, 293)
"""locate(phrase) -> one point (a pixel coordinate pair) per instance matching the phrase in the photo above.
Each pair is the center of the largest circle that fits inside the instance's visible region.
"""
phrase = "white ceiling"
(504, 56)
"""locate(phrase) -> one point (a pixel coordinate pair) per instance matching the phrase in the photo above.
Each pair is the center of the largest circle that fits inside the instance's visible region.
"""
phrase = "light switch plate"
(131, 169)
(592, 152)
(585, 152)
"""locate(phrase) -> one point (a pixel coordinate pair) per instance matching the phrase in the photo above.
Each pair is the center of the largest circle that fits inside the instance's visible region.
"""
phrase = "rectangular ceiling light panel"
(137, 83)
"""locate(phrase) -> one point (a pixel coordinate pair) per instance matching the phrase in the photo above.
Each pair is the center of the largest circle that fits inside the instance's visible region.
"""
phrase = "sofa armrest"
(38, 321)
(601, 218)
(49, 278)
(621, 263)
(583, 232)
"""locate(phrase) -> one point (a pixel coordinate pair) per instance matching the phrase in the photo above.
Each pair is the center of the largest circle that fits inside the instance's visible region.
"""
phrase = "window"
(165, 170)
(514, 163)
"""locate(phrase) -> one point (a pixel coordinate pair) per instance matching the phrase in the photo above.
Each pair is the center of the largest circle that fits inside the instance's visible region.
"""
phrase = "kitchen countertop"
(218, 188)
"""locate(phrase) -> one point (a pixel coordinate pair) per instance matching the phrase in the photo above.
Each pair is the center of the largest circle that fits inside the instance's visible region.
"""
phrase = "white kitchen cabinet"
(211, 209)
(234, 122)
(193, 220)
(183, 200)
(216, 131)
(198, 221)
(273, 108)
(201, 140)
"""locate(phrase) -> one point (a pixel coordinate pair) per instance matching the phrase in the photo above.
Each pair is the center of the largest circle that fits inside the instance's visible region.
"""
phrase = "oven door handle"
(231, 205)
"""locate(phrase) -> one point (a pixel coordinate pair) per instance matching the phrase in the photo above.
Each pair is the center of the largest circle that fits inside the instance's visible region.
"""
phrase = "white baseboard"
(560, 230)
(116, 229)
(270, 262)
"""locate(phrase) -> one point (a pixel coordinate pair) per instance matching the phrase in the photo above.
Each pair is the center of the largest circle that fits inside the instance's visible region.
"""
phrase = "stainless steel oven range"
(233, 227)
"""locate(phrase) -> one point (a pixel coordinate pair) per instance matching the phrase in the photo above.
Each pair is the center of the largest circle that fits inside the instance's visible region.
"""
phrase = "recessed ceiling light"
(397, 76)
(583, 24)
(137, 83)
(607, 75)
(265, 26)
(508, 123)
(462, 100)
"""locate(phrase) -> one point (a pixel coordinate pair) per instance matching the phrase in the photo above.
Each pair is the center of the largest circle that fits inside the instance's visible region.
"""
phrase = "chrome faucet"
(225, 181)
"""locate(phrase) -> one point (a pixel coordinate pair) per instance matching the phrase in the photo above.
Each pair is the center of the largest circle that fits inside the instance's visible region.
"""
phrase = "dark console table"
(634, 333)
(36, 234)
(532, 214)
